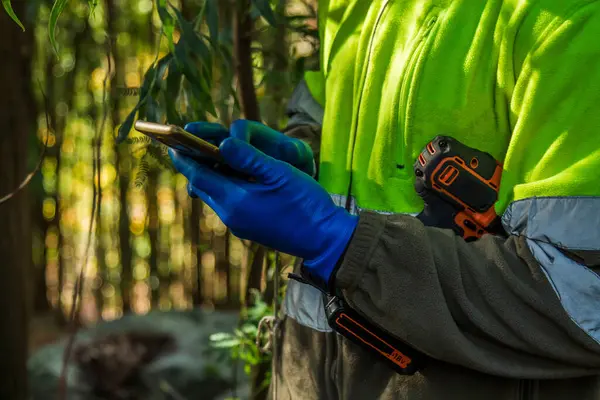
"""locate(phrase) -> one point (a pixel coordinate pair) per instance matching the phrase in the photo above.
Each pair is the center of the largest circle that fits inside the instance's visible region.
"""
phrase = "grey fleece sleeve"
(485, 305)
(305, 119)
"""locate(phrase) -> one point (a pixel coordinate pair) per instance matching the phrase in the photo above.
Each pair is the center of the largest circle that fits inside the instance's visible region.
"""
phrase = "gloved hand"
(269, 141)
(284, 208)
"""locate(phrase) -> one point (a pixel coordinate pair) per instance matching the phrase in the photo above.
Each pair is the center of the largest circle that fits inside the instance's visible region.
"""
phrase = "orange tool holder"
(396, 354)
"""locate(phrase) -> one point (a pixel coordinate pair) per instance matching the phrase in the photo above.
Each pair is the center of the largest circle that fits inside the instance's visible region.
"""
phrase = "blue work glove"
(269, 141)
(282, 208)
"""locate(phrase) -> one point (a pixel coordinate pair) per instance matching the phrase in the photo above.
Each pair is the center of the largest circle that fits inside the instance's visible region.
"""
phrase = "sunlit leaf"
(167, 21)
(249, 329)
(11, 13)
(219, 336)
(264, 7)
(57, 9)
(93, 4)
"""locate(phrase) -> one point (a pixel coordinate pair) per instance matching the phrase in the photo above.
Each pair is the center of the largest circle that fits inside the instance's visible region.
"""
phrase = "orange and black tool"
(459, 186)
(398, 355)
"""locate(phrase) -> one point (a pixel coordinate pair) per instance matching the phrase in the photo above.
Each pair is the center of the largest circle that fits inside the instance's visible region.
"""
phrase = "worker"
(500, 318)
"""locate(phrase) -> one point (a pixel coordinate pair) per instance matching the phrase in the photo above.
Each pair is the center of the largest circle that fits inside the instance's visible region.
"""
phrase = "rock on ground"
(189, 369)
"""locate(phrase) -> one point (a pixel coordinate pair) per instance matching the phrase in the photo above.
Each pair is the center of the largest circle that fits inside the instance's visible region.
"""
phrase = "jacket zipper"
(363, 78)
(408, 79)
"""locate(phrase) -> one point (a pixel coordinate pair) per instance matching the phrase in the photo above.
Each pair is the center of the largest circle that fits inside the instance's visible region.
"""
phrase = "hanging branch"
(79, 283)
(243, 27)
(30, 176)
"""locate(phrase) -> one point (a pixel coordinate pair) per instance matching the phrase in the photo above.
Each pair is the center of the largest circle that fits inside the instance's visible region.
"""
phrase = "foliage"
(11, 13)
(175, 59)
(57, 9)
(241, 344)
(195, 80)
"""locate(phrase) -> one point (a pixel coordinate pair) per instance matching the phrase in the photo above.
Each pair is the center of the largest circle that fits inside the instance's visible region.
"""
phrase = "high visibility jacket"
(518, 79)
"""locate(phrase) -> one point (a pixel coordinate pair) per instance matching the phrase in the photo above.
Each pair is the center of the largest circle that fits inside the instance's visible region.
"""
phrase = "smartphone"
(179, 139)
(192, 146)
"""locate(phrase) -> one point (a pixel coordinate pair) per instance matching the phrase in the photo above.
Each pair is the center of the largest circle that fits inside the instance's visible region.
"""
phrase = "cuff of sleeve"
(368, 231)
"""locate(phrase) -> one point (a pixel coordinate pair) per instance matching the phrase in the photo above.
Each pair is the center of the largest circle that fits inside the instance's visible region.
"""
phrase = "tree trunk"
(153, 225)
(257, 254)
(243, 27)
(196, 240)
(126, 254)
(100, 247)
(17, 123)
(121, 164)
(41, 304)
(276, 56)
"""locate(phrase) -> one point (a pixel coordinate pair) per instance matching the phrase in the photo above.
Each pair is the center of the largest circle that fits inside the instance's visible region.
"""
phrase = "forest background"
(93, 213)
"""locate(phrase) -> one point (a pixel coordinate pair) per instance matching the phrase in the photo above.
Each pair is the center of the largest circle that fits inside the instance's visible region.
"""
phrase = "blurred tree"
(17, 124)
(219, 60)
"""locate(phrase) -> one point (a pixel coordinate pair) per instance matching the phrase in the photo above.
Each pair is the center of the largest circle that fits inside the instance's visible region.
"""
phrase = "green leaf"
(171, 94)
(152, 110)
(219, 336)
(161, 67)
(266, 11)
(250, 330)
(125, 127)
(191, 38)
(167, 21)
(226, 344)
(153, 74)
(199, 87)
(11, 13)
(212, 19)
(92, 4)
(57, 9)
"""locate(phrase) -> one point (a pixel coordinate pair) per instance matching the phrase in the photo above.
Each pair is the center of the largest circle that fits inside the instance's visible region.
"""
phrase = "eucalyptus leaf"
(125, 127)
(191, 38)
(167, 21)
(57, 9)
(161, 67)
(171, 94)
(150, 78)
(212, 20)
(11, 13)
(264, 7)
(153, 112)
(199, 87)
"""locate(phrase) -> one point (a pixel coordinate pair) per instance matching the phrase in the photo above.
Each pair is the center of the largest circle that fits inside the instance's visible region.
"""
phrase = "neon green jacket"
(519, 79)
(390, 86)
